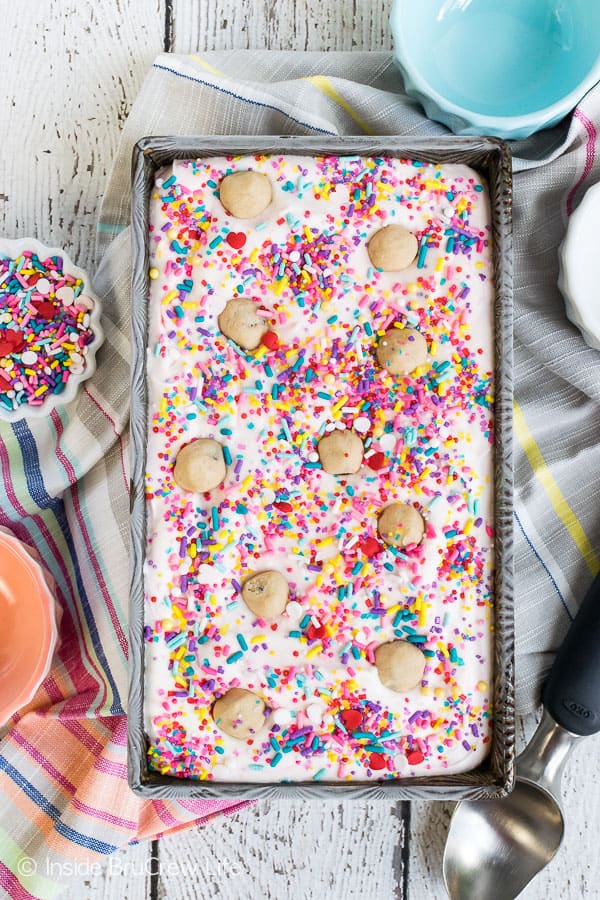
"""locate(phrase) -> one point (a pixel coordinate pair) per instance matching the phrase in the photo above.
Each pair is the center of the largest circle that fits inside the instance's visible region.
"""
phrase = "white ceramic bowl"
(579, 273)
(12, 249)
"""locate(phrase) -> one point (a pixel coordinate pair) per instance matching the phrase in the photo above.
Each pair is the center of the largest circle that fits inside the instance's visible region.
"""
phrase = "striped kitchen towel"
(63, 794)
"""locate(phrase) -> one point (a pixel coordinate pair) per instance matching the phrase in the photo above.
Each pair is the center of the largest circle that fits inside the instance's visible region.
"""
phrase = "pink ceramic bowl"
(29, 617)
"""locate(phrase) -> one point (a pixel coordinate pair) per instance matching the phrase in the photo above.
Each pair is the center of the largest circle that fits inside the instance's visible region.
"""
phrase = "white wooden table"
(70, 70)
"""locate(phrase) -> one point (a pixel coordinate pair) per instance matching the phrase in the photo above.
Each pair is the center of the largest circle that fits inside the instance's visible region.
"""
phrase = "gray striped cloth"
(557, 377)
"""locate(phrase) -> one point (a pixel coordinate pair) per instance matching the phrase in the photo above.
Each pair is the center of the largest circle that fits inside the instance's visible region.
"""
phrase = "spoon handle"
(572, 692)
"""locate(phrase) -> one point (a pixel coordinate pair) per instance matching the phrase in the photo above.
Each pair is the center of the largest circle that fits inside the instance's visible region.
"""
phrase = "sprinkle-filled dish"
(49, 328)
(319, 566)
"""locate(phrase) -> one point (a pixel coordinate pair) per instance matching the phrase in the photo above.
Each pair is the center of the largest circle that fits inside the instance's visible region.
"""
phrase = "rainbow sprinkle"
(45, 329)
(428, 440)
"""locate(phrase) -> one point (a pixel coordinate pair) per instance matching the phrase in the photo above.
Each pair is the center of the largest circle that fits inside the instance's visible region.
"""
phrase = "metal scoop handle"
(572, 691)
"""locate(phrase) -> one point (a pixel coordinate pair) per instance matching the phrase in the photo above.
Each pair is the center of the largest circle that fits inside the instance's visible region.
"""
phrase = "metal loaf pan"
(490, 157)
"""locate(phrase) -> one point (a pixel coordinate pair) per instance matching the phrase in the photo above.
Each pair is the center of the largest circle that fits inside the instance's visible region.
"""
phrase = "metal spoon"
(495, 847)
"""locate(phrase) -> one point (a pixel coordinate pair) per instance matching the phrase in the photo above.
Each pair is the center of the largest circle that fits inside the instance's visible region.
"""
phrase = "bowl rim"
(483, 120)
(577, 305)
(48, 607)
(13, 247)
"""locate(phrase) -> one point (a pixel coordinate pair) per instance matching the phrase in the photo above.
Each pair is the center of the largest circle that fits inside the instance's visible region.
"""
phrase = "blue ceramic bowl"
(501, 67)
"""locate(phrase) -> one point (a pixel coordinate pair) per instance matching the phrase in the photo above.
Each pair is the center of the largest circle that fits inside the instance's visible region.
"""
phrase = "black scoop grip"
(572, 692)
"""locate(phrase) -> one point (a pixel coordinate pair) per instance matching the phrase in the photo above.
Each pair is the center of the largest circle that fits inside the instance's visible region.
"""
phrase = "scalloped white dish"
(579, 273)
(12, 249)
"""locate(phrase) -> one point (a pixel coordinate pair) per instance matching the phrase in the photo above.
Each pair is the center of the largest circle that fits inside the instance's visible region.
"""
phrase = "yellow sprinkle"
(313, 651)
(258, 638)
(153, 273)
(442, 647)
(338, 406)
(326, 541)
(170, 295)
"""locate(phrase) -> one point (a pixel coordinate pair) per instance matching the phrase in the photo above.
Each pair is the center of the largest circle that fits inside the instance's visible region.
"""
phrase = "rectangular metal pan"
(491, 158)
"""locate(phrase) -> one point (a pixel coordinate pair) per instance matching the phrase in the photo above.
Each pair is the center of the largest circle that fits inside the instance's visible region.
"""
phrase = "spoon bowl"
(495, 847)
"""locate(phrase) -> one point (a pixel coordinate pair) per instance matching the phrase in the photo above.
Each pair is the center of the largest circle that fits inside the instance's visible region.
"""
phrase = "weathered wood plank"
(289, 25)
(307, 851)
(126, 875)
(69, 76)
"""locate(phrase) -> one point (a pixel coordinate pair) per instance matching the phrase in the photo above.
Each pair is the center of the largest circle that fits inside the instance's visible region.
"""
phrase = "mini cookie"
(400, 665)
(200, 466)
(266, 594)
(402, 350)
(239, 713)
(240, 322)
(341, 452)
(392, 248)
(245, 194)
(401, 525)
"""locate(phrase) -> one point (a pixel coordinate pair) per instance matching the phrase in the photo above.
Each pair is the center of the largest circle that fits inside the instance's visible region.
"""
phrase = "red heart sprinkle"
(376, 461)
(376, 761)
(415, 757)
(283, 506)
(12, 342)
(352, 719)
(270, 340)
(315, 631)
(236, 239)
(45, 309)
(370, 547)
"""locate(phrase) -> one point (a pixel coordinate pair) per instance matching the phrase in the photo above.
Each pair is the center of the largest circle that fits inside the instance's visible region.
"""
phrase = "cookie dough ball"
(402, 350)
(266, 594)
(400, 665)
(240, 322)
(245, 194)
(392, 248)
(200, 466)
(341, 452)
(239, 713)
(401, 525)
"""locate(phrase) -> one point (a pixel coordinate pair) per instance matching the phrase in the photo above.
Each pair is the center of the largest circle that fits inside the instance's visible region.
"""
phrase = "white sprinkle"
(29, 357)
(66, 295)
(293, 609)
(76, 358)
(362, 424)
(313, 457)
(330, 426)
(294, 256)
(43, 286)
